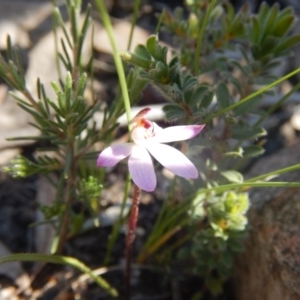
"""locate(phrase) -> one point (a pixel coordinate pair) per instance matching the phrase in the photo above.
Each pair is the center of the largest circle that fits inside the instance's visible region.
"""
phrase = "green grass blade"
(64, 260)
(201, 34)
(247, 185)
(255, 94)
(117, 58)
(133, 21)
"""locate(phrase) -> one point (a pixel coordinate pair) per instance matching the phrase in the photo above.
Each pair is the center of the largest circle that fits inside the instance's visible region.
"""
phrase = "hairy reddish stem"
(131, 235)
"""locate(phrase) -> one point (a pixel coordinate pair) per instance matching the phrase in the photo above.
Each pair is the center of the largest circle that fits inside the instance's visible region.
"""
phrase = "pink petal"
(173, 160)
(141, 169)
(177, 133)
(110, 156)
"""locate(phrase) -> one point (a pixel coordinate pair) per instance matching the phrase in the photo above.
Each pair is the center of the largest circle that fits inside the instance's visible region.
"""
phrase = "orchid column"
(148, 138)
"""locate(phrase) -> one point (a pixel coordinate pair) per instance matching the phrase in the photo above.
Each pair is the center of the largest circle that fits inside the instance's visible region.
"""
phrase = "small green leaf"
(175, 75)
(187, 95)
(286, 44)
(237, 153)
(271, 19)
(163, 54)
(55, 87)
(237, 27)
(288, 11)
(245, 55)
(223, 96)
(233, 176)
(162, 68)
(68, 91)
(283, 26)
(153, 47)
(253, 151)
(271, 65)
(141, 50)
(159, 76)
(236, 82)
(174, 62)
(263, 12)
(197, 95)
(268, 45)
(81, 85)
(240, 66)
(77, 222)
(230, 10)
(188, 82)
(173, 112)
(207, 99)
(256, 30)
(136, 60)
(244, 133)
(83, 31)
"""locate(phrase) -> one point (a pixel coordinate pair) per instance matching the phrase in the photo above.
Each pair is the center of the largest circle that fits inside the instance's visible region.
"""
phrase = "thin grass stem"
(200, 36)
(117, 58)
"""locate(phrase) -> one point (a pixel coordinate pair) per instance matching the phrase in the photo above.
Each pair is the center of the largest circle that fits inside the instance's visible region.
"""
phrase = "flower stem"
(131, 235)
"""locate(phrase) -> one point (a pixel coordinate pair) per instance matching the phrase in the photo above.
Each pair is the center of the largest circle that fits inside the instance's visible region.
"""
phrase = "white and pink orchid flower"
(147, 138)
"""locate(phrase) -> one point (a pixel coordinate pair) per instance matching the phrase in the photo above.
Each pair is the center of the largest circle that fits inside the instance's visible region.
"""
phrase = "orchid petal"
(110, 156)
(138, 135)
(173, 160)
(141, 169)
(177, 133)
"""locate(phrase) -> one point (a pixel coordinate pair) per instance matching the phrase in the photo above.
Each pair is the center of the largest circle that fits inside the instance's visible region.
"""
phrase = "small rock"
(13, 270)
(8, 154)
(269, 268)
(295, 120)
(121, 32)
(14, 123)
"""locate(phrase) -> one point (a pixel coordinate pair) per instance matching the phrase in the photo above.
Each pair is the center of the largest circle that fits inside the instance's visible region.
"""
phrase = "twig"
(64, 228)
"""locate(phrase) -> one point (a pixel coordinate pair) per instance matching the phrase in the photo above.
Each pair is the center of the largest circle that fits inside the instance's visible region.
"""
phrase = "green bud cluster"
(56, 209)
(214, 248)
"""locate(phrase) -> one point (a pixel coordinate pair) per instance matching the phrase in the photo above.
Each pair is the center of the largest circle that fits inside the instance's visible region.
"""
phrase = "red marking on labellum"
(145, 123)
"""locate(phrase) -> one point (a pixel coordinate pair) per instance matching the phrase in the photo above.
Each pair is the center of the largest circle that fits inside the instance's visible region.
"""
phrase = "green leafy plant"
(239, 52)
